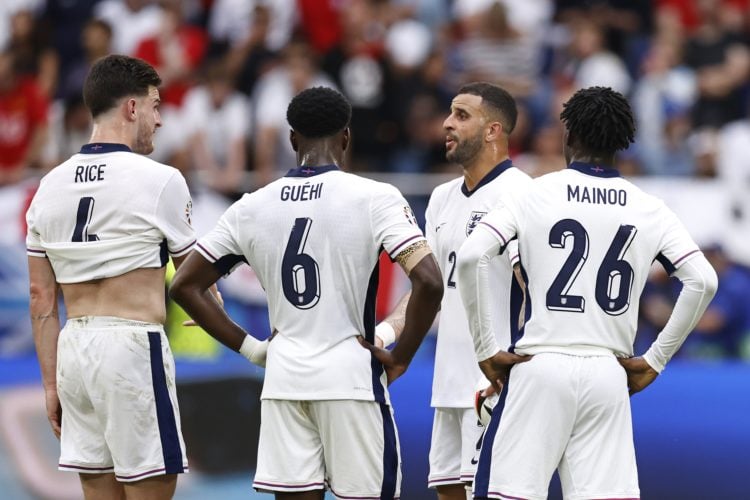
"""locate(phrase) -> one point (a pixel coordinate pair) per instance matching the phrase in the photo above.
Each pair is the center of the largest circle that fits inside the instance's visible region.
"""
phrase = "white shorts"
(115, 380)
(348, 446)
(566, 412)
(454, 450)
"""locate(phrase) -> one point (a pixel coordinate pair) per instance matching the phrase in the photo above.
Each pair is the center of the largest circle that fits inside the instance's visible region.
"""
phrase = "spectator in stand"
(273, 92)
(358, 66)
(252, 58)
(721, 61)
(69, 127)
(34, 55)
(662, 100)
(96, 41)
(65, 21)
(216, 117)
(725, 325)
(132, 21)
(23, 121)
(230, 22)
(175, 51)
(592, 63)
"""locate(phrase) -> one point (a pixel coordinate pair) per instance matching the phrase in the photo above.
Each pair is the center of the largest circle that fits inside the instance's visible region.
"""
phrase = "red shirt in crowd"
(23, 109)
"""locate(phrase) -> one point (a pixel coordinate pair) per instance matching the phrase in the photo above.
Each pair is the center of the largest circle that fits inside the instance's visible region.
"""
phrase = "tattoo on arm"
(410, 257)
(40, 317)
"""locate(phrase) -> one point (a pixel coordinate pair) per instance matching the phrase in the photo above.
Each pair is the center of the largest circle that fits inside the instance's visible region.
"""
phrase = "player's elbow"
(42, 299)
(426, 280)
(180, 289)
(467, 260)
(710, 282)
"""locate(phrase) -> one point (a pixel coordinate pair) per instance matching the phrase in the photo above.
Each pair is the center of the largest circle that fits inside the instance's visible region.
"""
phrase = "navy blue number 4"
(83, 219)
(614, 279)
(300, 275)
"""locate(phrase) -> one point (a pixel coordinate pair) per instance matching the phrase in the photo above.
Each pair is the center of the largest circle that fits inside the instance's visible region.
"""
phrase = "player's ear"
(131, 106)
(293, 140)
(494, 131)
(345, 139)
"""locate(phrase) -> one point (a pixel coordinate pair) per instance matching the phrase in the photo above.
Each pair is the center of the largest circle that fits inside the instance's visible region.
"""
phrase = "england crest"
(474, 219)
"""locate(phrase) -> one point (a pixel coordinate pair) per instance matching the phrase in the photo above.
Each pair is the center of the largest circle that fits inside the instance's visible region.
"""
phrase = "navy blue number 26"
(83, 219)
(300, 275)
(614, 279)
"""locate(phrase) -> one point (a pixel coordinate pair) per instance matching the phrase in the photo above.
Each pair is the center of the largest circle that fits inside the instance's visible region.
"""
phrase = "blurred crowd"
(229, 68)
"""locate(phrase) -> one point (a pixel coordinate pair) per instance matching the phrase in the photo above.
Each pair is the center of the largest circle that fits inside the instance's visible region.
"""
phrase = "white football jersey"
(452, 214)
(313, 238)
(107, 211)
(587, 239)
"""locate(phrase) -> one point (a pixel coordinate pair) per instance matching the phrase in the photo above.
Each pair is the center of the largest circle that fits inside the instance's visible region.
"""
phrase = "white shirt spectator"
(129, 27)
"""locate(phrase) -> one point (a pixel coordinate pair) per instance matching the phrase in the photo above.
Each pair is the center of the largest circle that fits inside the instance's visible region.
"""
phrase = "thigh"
(454, 449)
(83, 448)
(361, 448)
(135, 393)
(529, 430)
(599, 461)
(290, 451)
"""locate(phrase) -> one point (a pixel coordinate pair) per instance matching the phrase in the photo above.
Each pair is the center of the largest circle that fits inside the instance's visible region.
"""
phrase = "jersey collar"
(306, 171)
(103, 147)
(491, 175)
(594, 169)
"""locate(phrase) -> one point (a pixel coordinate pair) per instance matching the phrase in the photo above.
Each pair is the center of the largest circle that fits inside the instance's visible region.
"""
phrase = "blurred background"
(229, 69)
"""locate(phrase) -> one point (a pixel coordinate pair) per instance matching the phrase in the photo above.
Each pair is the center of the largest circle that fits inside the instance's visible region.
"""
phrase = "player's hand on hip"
(54, 411)
(393, 368)
(639, 372)
(497, 367)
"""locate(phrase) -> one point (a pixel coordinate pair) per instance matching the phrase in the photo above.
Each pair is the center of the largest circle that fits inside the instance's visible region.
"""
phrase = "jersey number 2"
(300, 275)
(83, 219)
(614, 280)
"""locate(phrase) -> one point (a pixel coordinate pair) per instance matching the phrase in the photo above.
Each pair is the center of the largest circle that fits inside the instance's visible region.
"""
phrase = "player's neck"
(604, 160)
(477, 170)
(111, 132)
(316, 158)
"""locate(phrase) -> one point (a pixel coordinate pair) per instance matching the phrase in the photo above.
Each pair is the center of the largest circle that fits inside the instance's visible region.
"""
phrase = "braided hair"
(599, 119)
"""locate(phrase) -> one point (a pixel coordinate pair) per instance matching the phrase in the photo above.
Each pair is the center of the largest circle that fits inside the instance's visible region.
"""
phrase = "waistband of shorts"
(99, 322)
(578, 350)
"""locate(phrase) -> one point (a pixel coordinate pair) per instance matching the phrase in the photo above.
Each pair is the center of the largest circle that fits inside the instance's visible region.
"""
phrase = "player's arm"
(486, 242)
(699, 284)
(191, 289)
(45, 326)
(389, 330)
(421, 307)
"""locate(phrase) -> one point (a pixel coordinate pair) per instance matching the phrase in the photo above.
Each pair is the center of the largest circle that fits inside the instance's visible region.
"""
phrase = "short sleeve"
(393, 222)
(220, 246)
(429, 226)
(676, 246)
(33, 239)
(174, 212)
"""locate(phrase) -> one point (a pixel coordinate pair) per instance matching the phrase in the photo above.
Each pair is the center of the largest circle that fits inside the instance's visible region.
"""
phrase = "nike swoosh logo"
(437, 228)
(474, 461)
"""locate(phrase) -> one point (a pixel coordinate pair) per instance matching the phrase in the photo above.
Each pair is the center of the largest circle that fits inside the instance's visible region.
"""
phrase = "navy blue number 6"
(615, 277)
(300, 275)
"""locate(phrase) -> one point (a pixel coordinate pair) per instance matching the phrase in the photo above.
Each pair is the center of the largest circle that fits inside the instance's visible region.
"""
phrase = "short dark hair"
(497, 98)
(319, 112)
(600, 119)
(114, 77)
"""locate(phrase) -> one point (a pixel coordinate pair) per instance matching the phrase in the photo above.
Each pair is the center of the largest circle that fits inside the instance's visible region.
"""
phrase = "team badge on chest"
(474, 219)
